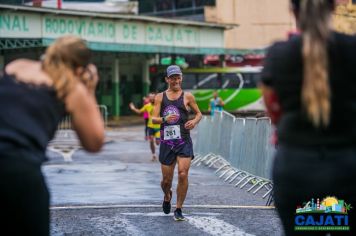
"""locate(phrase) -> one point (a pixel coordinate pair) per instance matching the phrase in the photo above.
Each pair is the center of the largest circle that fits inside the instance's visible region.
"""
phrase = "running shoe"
(166, 205)
(178, 216)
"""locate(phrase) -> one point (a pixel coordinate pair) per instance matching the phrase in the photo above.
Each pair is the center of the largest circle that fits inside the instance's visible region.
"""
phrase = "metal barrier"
(66, 141)
(239, 149)
(104, 113)
(66, 122)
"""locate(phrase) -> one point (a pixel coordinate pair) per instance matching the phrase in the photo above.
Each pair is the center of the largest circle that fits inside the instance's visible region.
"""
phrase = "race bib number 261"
(172, 132)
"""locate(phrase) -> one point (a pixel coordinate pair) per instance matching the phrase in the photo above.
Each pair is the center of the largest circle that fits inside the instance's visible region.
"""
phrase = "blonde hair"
(314, 17)
(61, 61)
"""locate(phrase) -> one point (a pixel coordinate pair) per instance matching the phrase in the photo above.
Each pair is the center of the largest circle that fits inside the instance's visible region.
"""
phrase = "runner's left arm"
(194, 106)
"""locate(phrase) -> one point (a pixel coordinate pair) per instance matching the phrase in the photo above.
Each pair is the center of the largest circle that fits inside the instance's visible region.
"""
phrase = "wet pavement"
(151, 221)
(117, 192)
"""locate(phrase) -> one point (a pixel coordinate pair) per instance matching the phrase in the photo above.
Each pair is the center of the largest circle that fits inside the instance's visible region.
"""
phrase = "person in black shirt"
(308, 85)
(33, 98)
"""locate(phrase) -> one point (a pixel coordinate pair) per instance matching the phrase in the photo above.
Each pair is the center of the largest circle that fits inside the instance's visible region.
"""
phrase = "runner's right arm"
(156, 119)
(137, 111)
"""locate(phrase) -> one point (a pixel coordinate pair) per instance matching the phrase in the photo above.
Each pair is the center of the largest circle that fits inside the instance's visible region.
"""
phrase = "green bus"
(237, 86)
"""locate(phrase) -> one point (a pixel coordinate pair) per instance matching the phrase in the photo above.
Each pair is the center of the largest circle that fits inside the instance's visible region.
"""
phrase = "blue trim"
(139, 48)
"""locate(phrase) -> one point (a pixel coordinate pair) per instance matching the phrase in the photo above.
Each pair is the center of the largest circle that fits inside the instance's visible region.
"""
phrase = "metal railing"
(66, 122)
(104, 113)
(66, 142)
(239, 149)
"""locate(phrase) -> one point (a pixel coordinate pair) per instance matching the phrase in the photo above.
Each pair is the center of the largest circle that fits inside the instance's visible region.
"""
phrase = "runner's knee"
(182, 175)
(166, 181)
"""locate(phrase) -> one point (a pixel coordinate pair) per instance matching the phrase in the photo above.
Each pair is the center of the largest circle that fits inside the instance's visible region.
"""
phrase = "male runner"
(153, 129)
(171, 111)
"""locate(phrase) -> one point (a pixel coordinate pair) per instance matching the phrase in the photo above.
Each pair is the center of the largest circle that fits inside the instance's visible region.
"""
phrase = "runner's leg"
(158, 137)
(152, 143)
(182, 187)
(146, 129)
(167, 178)
(153, 148)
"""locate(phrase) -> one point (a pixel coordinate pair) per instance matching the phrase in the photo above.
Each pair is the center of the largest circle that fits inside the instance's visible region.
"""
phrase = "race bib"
(172, 132)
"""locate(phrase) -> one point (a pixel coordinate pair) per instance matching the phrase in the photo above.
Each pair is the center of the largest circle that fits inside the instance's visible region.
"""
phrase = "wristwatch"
(163, 119)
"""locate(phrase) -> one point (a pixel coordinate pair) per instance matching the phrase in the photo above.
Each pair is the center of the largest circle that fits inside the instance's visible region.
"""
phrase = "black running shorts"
(168, 154)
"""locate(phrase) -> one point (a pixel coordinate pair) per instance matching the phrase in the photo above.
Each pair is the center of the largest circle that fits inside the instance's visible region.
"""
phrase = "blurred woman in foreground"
(34, 96)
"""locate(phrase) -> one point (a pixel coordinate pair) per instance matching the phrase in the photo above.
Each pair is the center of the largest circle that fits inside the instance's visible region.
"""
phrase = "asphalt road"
(117, 192)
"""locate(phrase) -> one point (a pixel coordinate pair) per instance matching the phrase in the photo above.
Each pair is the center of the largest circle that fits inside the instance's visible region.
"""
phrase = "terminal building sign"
(108, 30)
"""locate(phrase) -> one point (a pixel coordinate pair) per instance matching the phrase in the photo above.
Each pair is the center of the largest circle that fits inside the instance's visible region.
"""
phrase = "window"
(251, 79)
(146, 6)
(230, 80)
(207, 81)
(183, 4)
(199, 3)
(209, 2)
(162, 86)
(164, 5)
(189, 81)
(83, 0)
(105, 83)
(14, 2)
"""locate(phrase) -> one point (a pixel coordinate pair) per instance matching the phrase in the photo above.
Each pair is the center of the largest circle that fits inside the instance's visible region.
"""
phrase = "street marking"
(159, 206)
(215, 226)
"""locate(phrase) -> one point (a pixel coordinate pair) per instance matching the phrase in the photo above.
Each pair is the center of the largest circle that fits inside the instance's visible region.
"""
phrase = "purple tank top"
(174, 107)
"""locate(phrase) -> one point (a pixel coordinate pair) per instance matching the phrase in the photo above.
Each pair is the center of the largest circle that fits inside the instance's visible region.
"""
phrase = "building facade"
(124, 45)
(345, 17)
(253, 23)
(112, 6)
